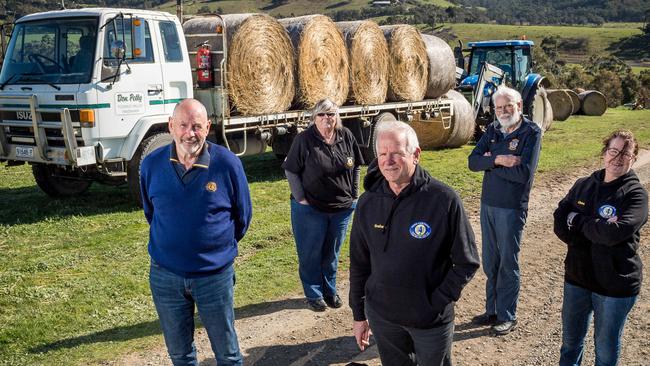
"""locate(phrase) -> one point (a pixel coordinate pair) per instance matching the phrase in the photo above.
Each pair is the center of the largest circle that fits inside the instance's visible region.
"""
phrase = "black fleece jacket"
(602, 254)
(412, 254)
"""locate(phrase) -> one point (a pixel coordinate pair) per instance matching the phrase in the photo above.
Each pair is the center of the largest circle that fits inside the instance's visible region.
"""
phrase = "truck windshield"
(55, 51)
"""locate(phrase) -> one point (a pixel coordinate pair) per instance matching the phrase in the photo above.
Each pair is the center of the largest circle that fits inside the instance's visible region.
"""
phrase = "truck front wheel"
(58, 182)
(148, 145)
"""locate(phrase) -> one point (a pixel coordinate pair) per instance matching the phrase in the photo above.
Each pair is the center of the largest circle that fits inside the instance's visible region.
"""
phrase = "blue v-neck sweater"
(195, 226)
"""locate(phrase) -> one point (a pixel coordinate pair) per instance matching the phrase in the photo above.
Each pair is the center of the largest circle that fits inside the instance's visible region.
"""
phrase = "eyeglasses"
(509, 106)
(330, 114)
(615, 152)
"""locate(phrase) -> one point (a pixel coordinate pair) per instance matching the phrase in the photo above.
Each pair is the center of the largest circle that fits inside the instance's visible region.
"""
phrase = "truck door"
(137, 91)
(177, 80)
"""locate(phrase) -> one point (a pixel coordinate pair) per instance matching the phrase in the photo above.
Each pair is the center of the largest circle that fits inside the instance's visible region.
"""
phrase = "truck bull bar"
(72, 153)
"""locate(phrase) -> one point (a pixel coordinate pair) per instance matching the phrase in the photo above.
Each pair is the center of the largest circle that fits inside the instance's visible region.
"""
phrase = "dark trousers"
(399, 345)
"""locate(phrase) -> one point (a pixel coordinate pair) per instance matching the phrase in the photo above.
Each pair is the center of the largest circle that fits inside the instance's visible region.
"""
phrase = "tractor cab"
(492, 63)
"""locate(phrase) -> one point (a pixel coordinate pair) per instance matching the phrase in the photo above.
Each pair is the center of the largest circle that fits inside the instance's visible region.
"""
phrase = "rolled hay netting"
(561, 103)
(574, 99)
(408, 68)
(592, 103)
(368, 57)
(322, 59)
(542, 113)
(260, 65)
(462, 122)
(442, 66)
(431, 131)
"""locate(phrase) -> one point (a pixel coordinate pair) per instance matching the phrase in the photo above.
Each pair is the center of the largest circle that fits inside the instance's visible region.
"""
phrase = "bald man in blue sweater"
(196, 200)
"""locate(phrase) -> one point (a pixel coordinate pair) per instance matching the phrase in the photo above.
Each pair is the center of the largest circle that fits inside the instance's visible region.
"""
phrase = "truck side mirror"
(458, 55)
(118, 49)
(139, 46)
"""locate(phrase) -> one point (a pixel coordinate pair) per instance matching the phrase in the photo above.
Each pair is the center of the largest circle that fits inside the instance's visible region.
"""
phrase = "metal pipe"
(179, 10)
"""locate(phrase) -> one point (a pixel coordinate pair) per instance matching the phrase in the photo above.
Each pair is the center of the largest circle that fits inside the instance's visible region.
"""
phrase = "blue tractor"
(492, 63)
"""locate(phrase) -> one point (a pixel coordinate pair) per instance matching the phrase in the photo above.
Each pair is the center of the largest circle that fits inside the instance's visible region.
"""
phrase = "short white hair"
(398, 128)
(506, 92)
(326, 106)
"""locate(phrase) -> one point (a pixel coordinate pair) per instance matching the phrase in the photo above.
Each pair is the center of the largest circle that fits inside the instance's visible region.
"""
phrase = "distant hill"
(560, 12)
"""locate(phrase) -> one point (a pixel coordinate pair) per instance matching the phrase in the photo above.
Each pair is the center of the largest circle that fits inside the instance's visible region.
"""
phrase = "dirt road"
(284, 333)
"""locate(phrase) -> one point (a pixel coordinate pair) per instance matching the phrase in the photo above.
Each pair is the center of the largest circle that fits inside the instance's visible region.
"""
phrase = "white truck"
(86, 94)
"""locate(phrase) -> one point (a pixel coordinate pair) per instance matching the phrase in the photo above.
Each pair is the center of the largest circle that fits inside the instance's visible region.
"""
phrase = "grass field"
(73, 273)
(295, 7)
(600, 38)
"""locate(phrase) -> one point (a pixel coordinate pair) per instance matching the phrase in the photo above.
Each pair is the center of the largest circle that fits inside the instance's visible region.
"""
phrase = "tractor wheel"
(57, 182)
(149, 144)
(369, 153)
(540, 111)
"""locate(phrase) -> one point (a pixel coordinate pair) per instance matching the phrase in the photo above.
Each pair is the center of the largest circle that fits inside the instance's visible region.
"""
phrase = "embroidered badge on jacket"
(420, 230)
(513, 144)
(211, 186)
(607, 211)
(350, 162)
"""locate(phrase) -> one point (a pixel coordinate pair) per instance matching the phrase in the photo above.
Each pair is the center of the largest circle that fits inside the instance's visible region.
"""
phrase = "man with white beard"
(507, 154)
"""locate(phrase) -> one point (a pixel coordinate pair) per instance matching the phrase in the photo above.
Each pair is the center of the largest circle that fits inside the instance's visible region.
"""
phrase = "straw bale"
(368, 55)
(442, 66)
(260, 64)
(462, 122)
(561, 103)
(322, 59)
(408, 68)
(431, 132)
(592, 103)
(574, 99)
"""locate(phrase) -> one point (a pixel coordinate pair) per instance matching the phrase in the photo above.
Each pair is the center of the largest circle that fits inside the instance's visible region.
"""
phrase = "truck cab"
(77, 98)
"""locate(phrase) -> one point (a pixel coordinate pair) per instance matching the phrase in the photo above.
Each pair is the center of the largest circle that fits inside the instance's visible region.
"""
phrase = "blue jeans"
(175, 298)
(501, 230)
(319, 236)
(609, 315)
(400, 345)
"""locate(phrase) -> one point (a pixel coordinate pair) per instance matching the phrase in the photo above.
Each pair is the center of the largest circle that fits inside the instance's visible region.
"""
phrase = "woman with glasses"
(600, 220)
(322, 168)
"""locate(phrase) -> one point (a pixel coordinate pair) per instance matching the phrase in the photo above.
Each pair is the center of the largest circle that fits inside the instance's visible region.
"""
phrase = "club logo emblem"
(350, 162)
(211, 186)
(513, 144)
(420, 230)
(607, 211)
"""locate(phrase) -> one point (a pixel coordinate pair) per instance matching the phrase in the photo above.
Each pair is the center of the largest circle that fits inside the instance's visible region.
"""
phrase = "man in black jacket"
(412, 251)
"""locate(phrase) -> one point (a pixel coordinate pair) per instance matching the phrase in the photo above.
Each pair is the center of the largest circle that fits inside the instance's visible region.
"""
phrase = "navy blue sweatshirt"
(506, 187)
(602, 256)
(412, 254)
(195, 226)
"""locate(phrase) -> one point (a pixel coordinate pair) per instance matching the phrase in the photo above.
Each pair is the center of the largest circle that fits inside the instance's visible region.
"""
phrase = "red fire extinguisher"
(204, 65)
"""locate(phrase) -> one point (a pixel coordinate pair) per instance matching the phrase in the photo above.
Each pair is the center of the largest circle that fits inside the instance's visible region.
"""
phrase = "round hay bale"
(408, 68)
(442, 66)
(574, 99)
(431, 131)
(561, 103)
(592, 103)
(260, 65)
(368, 57)
(322, 59)
(462, 122)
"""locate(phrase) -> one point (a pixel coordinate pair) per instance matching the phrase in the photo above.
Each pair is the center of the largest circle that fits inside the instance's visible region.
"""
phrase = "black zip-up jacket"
(412, 254)
(507, 187)
(602, 256)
